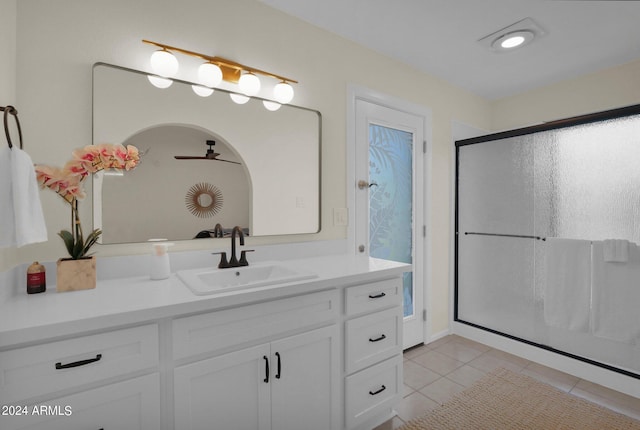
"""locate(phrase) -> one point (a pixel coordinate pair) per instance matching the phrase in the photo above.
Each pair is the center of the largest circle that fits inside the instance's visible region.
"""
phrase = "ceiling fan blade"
(188, 157)
(227, 161)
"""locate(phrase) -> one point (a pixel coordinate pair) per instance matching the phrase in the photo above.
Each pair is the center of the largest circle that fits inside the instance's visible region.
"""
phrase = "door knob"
(362, 184)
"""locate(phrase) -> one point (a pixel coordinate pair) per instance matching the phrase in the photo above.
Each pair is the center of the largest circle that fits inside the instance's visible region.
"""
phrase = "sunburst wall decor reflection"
(204, 200)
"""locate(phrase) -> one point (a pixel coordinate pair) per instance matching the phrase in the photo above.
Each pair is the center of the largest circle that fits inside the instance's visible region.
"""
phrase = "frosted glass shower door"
(536, 208)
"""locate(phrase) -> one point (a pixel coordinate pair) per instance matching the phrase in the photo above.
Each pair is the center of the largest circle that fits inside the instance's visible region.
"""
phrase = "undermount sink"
(212, 281)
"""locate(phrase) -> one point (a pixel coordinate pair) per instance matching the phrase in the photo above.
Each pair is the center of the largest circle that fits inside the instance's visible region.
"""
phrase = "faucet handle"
(223, 260)
(243, 257)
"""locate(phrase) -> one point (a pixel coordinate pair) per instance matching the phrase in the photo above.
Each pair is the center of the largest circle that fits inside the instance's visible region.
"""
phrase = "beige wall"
(595, 92)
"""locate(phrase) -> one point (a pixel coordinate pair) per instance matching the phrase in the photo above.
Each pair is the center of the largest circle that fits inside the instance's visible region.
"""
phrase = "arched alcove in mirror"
(169, 201)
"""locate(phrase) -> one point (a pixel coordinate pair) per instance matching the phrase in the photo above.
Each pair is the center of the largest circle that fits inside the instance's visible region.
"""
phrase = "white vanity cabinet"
(322, 354)
(282, 384)
(287, 384)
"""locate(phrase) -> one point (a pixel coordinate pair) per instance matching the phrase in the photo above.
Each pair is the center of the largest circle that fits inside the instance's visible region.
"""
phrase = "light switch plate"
(340, 217)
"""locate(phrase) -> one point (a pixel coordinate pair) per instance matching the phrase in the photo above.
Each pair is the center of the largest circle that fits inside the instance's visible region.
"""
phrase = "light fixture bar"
(230, 69)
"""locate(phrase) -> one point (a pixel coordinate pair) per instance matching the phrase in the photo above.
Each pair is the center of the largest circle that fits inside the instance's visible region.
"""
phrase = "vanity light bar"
(231, 71)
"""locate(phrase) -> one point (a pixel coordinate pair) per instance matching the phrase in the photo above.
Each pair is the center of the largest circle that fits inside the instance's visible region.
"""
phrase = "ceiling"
(440, 37)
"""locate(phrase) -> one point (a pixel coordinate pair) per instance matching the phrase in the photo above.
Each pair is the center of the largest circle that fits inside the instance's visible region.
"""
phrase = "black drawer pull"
(266, 360)
(377, 296)
(378, 339)
(379, 391)
(279, 365)
(78, 363)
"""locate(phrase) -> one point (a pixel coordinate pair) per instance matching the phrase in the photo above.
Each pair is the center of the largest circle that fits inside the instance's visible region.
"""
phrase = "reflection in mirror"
(265, 172)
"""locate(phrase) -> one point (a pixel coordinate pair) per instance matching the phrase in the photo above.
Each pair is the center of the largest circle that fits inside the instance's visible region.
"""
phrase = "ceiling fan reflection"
(210, 155)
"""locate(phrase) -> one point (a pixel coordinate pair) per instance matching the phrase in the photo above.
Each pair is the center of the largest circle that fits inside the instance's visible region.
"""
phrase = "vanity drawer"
(373, 389)
(218, 330)
(133, 404)
(372, 338)
(373, 296)
(47, 368)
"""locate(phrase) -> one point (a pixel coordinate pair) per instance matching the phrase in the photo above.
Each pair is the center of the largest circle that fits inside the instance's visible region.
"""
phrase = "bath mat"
(504, 400)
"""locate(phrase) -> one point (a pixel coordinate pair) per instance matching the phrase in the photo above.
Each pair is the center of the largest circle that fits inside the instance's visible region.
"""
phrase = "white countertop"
(31, 318)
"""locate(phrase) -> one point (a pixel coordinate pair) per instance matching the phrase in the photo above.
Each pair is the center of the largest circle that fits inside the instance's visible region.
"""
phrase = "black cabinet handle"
(378, 339)
(266, 360)
(279, 365)
(78, 363)
(379, 391)
(377, 296)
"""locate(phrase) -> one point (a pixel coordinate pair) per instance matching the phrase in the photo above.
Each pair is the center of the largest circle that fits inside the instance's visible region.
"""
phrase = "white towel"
(567, 296)
(21, 218)
(7, 224)
(27, 209)
(616, 250)
(616, 296)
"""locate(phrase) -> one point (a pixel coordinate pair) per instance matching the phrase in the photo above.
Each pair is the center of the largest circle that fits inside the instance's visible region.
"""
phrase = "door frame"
(357, 92)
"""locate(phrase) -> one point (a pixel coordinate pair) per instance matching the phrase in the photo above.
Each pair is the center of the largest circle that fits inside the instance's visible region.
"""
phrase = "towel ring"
(13, 111)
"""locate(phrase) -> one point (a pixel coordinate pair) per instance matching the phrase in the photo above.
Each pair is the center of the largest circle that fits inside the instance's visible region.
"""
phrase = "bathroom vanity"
(322, 352)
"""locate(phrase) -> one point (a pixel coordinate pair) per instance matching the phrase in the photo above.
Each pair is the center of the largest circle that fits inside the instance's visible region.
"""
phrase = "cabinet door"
(224, 392)
(305, 377)
(131, 405)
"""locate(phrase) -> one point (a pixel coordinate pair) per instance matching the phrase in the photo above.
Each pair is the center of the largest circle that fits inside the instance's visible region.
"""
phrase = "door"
(304, 381)
(231, 391)
(389, 218)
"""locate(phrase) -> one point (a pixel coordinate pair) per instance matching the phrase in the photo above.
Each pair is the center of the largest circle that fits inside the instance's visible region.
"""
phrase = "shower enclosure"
(547, 238)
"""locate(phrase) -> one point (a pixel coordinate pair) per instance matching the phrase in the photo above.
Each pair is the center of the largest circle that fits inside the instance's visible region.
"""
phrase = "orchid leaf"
(67, 237)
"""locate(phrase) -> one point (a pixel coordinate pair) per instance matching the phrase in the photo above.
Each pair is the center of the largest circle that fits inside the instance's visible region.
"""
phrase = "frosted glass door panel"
(496, 282)
(391, 200)
(598, 180)
(496, 187)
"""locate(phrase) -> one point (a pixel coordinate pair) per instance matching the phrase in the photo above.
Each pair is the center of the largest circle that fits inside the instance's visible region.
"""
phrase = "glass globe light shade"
(238, 98)
(249, 84)
(164, 63)
(159, 82)
(209, 74)
(272, 106)
(202, 91)
(283, 92)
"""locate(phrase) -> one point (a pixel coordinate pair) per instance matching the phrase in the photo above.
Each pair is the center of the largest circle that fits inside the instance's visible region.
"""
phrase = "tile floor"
(435, 372)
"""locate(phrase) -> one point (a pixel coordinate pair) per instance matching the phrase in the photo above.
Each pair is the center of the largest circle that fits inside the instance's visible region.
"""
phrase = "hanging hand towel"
(7, 224)
(27, 209)
(567, 296)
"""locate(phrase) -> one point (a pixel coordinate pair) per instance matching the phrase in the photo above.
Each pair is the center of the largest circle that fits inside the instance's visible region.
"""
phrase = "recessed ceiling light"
(516, 35)
(513, 40)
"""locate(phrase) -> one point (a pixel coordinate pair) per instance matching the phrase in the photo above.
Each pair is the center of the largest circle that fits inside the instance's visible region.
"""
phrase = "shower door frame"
(553, 125)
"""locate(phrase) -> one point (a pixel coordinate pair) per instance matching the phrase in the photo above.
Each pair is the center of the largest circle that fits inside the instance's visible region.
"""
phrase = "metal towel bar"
(506, 235)
(13, 111)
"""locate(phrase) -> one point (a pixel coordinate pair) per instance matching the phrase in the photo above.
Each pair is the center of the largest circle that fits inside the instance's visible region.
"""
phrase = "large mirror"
(264, 176)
